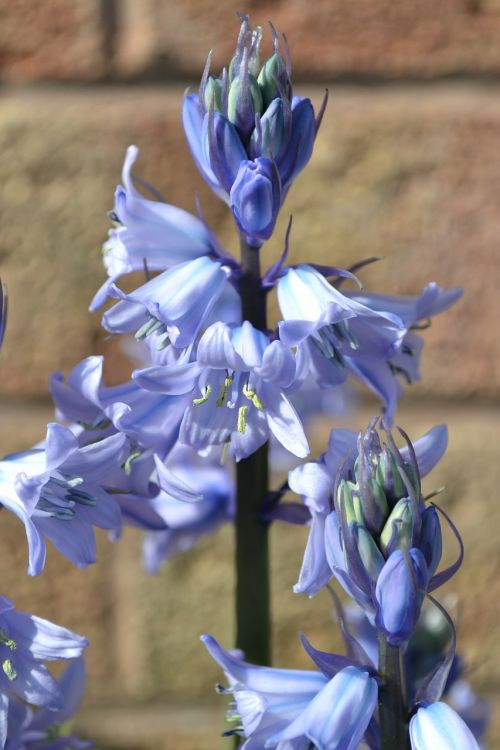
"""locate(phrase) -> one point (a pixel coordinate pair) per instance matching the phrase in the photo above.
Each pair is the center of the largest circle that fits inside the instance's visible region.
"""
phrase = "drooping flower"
(187, 519)
(249, 136)
(43, 729)
(150, 420)
(438, 726)
(237, 390)
(26, 641)
(56, 492)
(294, 708)
(368, 336)
(149, 235)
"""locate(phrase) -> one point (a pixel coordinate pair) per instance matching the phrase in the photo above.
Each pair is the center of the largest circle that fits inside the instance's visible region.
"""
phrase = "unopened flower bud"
(399, 593)
(244, 102)
(398, 530)
(431, 542)
(213, 94)
(273, 80)
(371, 557)
(255, 199)
(270, 134)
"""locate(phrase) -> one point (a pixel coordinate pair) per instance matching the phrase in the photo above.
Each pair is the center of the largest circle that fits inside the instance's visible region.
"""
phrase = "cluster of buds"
(248, 134)
(385, 543)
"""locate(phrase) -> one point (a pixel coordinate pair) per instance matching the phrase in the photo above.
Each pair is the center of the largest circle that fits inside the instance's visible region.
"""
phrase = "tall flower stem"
(253, 610)
(391, 704)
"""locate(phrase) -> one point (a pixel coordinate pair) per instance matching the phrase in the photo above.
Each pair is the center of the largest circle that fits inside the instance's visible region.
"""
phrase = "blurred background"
(406, 166)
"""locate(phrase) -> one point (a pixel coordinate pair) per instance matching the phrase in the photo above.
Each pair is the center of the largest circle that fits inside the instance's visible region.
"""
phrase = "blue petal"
(429, 449)
(337, 717)
(439, 727)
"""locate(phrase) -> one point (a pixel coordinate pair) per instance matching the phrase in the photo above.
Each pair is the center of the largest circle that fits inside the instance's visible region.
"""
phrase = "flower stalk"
(253, 609)
(391, 700)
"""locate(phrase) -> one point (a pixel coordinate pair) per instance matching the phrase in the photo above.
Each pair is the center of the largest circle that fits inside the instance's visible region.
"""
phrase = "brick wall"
(405, 167)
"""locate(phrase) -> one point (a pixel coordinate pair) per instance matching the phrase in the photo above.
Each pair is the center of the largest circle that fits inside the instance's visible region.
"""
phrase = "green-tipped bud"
(351, 502)
(398, 530)
(244, 101)
(388, 476)
(273, 80)
(213, 94)
(378, 495)
(371, 557)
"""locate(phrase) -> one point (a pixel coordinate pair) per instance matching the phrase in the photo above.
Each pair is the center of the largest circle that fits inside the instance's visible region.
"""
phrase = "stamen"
(242, 418)
(251, 395)
(4, 638)
(224, 390)
(150, 326)
(127, 465)
(206, 395)
(9, 670)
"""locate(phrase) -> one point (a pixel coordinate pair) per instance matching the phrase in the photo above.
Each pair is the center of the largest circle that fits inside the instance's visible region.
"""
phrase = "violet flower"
(293, 708)
(56, 492)
(368, 336)
(148, 234)
(26, 641)
(43, 729)
(438, 726)
(237, 390)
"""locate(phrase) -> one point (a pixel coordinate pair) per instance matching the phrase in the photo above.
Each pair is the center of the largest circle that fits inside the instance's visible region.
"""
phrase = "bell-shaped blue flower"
(26, 641)
(338, 716)
(174, 305)
(237, 389)
(291, 708)
(368, 336)
(32, 730)
(185, 518)
(147, 233)
(56, 492)
(439, 727)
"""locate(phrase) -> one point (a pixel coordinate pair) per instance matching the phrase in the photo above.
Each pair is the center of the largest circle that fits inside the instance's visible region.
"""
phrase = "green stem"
(391, 702)
(253, 611)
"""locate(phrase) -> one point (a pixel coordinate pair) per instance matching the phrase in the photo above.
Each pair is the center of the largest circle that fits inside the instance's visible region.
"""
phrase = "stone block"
(329, 38)
(56, 40)
(403, 173)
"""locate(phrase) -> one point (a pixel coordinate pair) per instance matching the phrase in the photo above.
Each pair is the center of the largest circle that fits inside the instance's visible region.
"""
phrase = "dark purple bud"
(399, 593)
(222, 148)
(431, 542)
(300, 145)
(255, 199)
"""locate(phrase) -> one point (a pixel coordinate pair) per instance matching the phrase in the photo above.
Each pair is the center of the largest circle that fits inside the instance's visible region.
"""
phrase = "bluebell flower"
(26, 641)
(185, 518)
(237, 390)
(249, 114)
(370, 527)
(438, 726)
(149, 234)
(150, 420)
(56, 492)
(174, 305)
(293, 708)
(43, 729)
(369, 336)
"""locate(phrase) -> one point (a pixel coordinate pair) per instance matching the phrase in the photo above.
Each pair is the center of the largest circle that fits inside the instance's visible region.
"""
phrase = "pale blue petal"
(439, 727)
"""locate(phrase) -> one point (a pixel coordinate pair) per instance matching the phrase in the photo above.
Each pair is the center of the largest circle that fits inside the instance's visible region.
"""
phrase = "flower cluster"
(213, 381)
